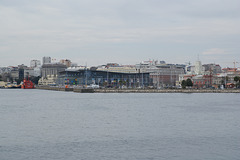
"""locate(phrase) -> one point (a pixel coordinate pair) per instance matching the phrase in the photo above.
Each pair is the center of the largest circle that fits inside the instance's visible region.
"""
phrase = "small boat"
(27, 84)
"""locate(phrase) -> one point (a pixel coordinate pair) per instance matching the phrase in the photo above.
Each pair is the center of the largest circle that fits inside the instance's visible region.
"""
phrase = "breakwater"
(82, 90)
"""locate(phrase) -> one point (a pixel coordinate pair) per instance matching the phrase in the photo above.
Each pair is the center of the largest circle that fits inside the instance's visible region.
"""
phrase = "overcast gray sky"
(123, 31)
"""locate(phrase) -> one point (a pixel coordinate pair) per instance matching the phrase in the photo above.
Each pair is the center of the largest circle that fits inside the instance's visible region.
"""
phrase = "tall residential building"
(35, 63)
(198, 68)
(46, 60)
(37, 71)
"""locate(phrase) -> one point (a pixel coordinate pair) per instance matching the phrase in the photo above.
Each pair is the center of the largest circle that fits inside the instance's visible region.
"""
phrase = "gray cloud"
(71, 29)
(214, 51)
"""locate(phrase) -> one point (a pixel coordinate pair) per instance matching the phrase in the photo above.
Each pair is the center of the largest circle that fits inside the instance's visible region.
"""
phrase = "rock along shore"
(79, 90)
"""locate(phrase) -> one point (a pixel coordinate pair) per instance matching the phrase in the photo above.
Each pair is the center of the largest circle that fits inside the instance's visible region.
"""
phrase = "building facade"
(87, 76)
(162, 74)
(52, 69)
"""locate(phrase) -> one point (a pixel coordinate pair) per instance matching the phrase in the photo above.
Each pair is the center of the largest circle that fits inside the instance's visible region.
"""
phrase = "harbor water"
(45, 125)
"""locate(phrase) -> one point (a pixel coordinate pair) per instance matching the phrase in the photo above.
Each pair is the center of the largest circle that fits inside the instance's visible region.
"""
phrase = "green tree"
(222, 82)
(184, 84)
(120, 83)
(35, 79)
(0, 77)
(189, 82)
(237, 80)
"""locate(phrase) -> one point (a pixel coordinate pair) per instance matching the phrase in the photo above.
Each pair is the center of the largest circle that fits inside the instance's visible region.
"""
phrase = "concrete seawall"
(78, 90)
(55, 88)
(163, 91)
(83, 90)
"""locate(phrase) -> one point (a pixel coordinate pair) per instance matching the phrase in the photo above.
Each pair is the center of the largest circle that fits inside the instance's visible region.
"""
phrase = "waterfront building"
(13, 73)
(5, 70)
(230, 73)
(202, 81)
(203, 76)
(162, 74)
(165, 75)
(52, 69)
(49, 80)
(16, 73)
(20, 71)
(105, 78)
(212, 69)
(205, 69)
(28, 72)
(209, 75)
(219, 80)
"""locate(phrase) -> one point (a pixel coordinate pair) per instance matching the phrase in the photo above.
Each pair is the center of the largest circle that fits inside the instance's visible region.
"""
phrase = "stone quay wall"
(81, 90)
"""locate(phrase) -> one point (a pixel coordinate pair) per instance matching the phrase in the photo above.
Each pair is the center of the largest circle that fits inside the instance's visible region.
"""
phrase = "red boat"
(27, 84)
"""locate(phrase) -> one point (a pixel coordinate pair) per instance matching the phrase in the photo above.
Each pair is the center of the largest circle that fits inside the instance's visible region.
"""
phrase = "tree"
(222, 82)
(184, 84)
(0, 77)
(120, 83)
(189, 82)
(35, 79)
(237, 80)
